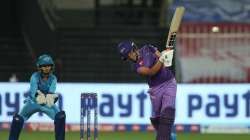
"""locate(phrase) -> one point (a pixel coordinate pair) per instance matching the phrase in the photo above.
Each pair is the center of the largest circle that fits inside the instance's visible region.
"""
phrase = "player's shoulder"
(53, 77)
(148, 48)
(35, 75)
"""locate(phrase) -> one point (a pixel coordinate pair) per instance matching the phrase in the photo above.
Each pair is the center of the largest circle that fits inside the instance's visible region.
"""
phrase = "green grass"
(126, 136)
(213, 136)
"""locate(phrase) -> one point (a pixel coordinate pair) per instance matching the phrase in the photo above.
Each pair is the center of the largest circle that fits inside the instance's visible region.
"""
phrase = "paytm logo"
(124, 104)
(216, 105)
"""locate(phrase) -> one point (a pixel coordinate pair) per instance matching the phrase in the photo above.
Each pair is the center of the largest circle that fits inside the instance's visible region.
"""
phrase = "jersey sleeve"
(33, 86)
(147, 57)
(52, 88)
(149, 60)
(152, 48)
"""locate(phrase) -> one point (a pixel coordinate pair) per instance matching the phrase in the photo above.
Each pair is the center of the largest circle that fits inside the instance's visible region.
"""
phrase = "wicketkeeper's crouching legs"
(166, 122)
(16, 127)
(60, 125)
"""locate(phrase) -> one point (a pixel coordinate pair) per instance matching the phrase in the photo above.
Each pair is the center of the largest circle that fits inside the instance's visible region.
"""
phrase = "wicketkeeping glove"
(51, 99)
(40, 98)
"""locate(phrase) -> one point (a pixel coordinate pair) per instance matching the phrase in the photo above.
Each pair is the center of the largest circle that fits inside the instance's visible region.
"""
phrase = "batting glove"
(40, 98)
(167, 57)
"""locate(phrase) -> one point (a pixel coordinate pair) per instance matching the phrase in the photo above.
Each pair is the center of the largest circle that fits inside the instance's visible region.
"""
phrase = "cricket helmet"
(125, 47)
(45, 60)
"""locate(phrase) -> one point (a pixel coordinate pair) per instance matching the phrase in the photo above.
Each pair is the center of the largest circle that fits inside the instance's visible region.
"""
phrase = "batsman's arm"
(150, 71)
(158, 53)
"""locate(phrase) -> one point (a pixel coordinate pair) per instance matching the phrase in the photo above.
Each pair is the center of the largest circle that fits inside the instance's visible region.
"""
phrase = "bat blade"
(174, 27)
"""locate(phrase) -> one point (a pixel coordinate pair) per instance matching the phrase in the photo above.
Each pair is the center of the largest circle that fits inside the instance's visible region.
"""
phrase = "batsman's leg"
(16, 127)
(165, 124)
(60, 125)
(155, 122)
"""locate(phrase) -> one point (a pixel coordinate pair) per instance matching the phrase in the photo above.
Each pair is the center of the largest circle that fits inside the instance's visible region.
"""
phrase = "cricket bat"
(174, 27)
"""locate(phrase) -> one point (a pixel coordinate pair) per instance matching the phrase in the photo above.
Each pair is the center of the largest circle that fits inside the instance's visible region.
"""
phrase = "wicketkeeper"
(149, 62)
(42, 98)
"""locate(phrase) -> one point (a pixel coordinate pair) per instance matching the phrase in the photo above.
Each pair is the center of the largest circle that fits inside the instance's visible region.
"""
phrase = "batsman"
(41, 98)
(149, 62)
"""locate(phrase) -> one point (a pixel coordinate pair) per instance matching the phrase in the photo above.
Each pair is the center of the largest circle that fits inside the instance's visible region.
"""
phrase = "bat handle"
(168, 49)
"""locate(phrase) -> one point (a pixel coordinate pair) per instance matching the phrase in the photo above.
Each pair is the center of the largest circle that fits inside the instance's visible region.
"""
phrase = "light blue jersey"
(47, 87)
(36, 83)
